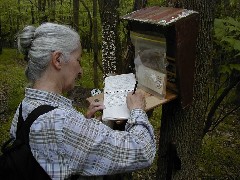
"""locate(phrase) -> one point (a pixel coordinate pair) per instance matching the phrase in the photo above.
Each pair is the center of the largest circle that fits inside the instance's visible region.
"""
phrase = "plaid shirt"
(64, 142)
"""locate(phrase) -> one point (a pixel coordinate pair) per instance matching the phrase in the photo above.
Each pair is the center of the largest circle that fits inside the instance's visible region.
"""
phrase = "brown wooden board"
(151, 101)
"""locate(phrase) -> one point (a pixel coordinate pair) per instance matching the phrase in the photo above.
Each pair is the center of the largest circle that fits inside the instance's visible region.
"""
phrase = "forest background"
(218, 155)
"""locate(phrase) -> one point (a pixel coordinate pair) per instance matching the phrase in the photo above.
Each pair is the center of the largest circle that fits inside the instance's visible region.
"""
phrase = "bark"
(61, 11)
(52, 8)
(19, 12)
(41, 10)
(32, 14)
(11, 23)
(95, 44)
(184, 127)
(1, 35)
(111, 59)
(88, 45)
(76, 14)
(138, 4)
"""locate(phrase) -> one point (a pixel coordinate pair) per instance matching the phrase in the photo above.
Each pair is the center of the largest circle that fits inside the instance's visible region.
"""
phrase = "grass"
(220, 153)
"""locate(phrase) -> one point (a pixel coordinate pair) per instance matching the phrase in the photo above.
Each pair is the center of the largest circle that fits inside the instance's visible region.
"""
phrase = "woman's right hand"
(136, 101)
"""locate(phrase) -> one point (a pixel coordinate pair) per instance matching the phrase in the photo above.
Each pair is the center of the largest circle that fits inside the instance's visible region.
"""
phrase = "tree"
(0, 35)
(183, 128)
(111, 57)
(41, 9)
(32, 14)
(52, 9)
(95, 44)
(76, 14)
(88, 36)
(138, 4)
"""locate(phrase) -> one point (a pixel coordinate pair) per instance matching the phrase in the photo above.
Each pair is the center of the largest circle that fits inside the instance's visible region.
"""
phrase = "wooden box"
(180, 29)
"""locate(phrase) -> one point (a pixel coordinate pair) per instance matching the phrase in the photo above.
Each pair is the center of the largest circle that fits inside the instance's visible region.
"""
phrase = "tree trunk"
(32, 14)
(95, 44)
(41, 9)
(138, 4)
(1, 35)
(88, 44)
(111, 59)
(76, 14)
(19, 12)
(11, 24)
(52, 10)
(184, 127)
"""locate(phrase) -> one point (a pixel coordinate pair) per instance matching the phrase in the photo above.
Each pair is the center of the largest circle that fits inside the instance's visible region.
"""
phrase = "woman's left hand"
(93, 108)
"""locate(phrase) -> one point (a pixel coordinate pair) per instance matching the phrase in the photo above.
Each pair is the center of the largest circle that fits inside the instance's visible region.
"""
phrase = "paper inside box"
(152, 81)
(150, 63)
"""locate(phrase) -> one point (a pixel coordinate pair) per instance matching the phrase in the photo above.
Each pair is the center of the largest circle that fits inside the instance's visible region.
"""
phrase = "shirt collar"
(48, 97)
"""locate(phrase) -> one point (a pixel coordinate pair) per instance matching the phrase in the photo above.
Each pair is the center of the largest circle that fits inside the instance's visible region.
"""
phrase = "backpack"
(17, 160)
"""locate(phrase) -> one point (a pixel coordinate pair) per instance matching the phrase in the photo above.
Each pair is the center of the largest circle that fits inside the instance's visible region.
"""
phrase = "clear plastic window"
(150, 63)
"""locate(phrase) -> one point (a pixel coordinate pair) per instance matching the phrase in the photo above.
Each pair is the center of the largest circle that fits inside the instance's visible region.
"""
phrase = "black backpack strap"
(20, 119)
(23, 127)
(38, 172)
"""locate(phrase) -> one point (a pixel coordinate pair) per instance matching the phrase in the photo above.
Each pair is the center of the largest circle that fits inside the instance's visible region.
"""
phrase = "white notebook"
(116, 89)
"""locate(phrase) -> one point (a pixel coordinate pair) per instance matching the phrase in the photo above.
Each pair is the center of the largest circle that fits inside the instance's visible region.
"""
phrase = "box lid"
(162, 16)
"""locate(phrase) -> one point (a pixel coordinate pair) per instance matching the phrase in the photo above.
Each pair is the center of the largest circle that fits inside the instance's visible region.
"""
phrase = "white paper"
(115, 93)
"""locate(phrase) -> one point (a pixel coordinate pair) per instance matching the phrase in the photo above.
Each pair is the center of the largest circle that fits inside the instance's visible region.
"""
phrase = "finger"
(96, 103)
(98, 108)
(93, 105)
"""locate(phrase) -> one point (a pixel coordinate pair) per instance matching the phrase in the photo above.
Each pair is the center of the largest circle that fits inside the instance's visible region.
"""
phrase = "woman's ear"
(56, 60)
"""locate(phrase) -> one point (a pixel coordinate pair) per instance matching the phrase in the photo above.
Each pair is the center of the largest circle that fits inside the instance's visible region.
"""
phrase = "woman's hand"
(136, 101)
(93, 108)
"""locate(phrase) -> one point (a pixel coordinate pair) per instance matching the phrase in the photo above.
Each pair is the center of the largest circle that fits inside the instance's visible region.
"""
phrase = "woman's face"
(72, 70)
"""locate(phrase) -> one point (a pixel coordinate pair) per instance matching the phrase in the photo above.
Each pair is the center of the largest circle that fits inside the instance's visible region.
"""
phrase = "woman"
(64, 141)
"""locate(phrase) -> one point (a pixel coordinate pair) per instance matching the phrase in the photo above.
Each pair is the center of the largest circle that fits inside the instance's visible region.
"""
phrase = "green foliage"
(227, 34)
(229, 68)
(156, 3)
(227, 8)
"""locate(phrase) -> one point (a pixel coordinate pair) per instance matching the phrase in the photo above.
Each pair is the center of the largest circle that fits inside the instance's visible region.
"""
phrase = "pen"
(134, 90)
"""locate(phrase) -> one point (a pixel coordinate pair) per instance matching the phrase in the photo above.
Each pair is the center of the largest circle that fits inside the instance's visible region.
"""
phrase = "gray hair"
(37, 45)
